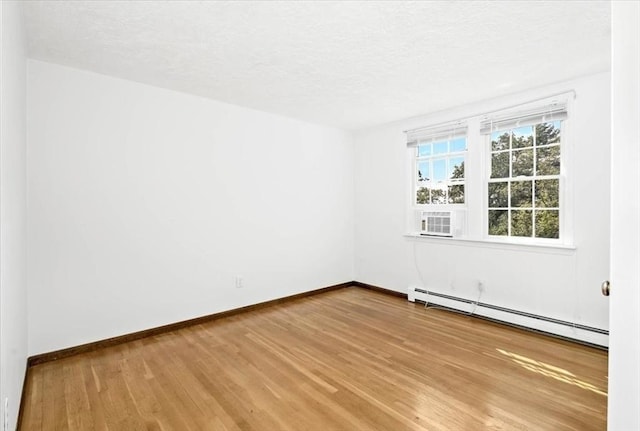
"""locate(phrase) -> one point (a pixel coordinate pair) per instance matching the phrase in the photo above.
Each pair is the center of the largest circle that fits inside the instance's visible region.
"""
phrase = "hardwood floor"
(350, 359)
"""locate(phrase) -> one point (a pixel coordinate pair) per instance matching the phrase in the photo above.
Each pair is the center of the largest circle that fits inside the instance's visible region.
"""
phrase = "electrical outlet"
(239, 282)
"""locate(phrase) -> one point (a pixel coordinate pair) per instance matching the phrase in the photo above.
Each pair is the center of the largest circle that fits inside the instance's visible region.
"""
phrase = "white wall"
(13, 282)
(624, 353)
(144, 205)
(563, 284)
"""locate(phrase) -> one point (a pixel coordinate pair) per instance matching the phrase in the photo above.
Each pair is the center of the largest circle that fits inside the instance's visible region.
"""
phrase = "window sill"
(495, 244)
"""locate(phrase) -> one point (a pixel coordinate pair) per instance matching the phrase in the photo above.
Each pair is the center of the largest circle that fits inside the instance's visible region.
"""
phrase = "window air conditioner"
(440, 223)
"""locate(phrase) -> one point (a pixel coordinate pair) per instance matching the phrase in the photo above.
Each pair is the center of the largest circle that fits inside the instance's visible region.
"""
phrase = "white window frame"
(447, 157)
(475, 210)
(565, 196)
(510, 179)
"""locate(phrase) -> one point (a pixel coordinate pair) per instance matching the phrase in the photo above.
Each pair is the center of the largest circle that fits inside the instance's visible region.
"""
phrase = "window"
(440, 172)
(439, 162)
(524, 181)
(501, 176)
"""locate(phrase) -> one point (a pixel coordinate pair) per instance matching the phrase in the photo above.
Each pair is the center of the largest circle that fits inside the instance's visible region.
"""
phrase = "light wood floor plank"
(350, 359)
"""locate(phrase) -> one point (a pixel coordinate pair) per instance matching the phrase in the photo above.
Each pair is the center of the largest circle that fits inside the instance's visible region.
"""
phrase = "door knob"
(606, 288)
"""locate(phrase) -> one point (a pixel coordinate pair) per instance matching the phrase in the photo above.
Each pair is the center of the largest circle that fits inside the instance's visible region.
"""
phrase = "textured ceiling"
(346, 64)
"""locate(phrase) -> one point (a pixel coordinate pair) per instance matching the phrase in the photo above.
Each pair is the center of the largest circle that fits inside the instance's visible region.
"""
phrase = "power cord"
(453, 310)
(437, 307)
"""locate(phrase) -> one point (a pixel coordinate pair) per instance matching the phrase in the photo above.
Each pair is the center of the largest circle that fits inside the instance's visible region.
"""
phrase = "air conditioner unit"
(437, 223)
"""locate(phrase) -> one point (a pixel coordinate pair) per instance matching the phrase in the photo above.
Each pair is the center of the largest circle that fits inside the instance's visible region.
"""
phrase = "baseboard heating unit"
(562, 328)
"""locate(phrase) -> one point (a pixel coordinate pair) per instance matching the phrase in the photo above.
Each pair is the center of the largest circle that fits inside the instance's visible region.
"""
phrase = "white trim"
(539, 247)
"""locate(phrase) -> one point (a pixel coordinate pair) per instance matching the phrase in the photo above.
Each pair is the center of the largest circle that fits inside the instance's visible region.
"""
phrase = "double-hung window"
(500, 176)
(524, 183)
(439, 162)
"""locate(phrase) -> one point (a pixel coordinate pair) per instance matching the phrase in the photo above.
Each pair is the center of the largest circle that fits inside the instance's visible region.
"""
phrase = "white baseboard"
(587, 334)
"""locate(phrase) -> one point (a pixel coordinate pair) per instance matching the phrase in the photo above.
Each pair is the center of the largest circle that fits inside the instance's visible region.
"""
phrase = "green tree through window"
(524, 185)
(440, 175)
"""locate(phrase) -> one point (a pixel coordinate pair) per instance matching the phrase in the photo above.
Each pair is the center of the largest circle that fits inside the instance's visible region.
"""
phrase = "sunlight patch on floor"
(551, 371)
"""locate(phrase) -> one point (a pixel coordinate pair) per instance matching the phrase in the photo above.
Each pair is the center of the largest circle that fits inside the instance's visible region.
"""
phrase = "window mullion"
(533, 199)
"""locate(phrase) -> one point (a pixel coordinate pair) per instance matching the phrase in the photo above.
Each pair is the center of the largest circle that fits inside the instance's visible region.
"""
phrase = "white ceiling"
(346, 64)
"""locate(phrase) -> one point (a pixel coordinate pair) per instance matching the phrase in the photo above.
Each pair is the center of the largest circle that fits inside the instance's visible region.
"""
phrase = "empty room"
(320, 215)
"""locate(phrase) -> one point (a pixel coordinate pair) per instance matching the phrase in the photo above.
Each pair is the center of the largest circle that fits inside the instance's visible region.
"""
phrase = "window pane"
(521, 223)
(456, 194)
(522, 137)
(498, 195)
(548, 160)
(438, 196)
(521, 194)
(500, 141)
(424, 150)
(459, 144)
(522, 163)
(500, 165)
(423, 171)
(440, 170)
(422, 195)
(547, 193)
(441, 147)
(548, 133)
(498, 222)
(547, 224)
(520, 203)
(456, 168)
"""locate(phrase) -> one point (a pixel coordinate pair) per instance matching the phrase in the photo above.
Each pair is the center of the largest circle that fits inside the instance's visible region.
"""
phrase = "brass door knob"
(606, 288)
